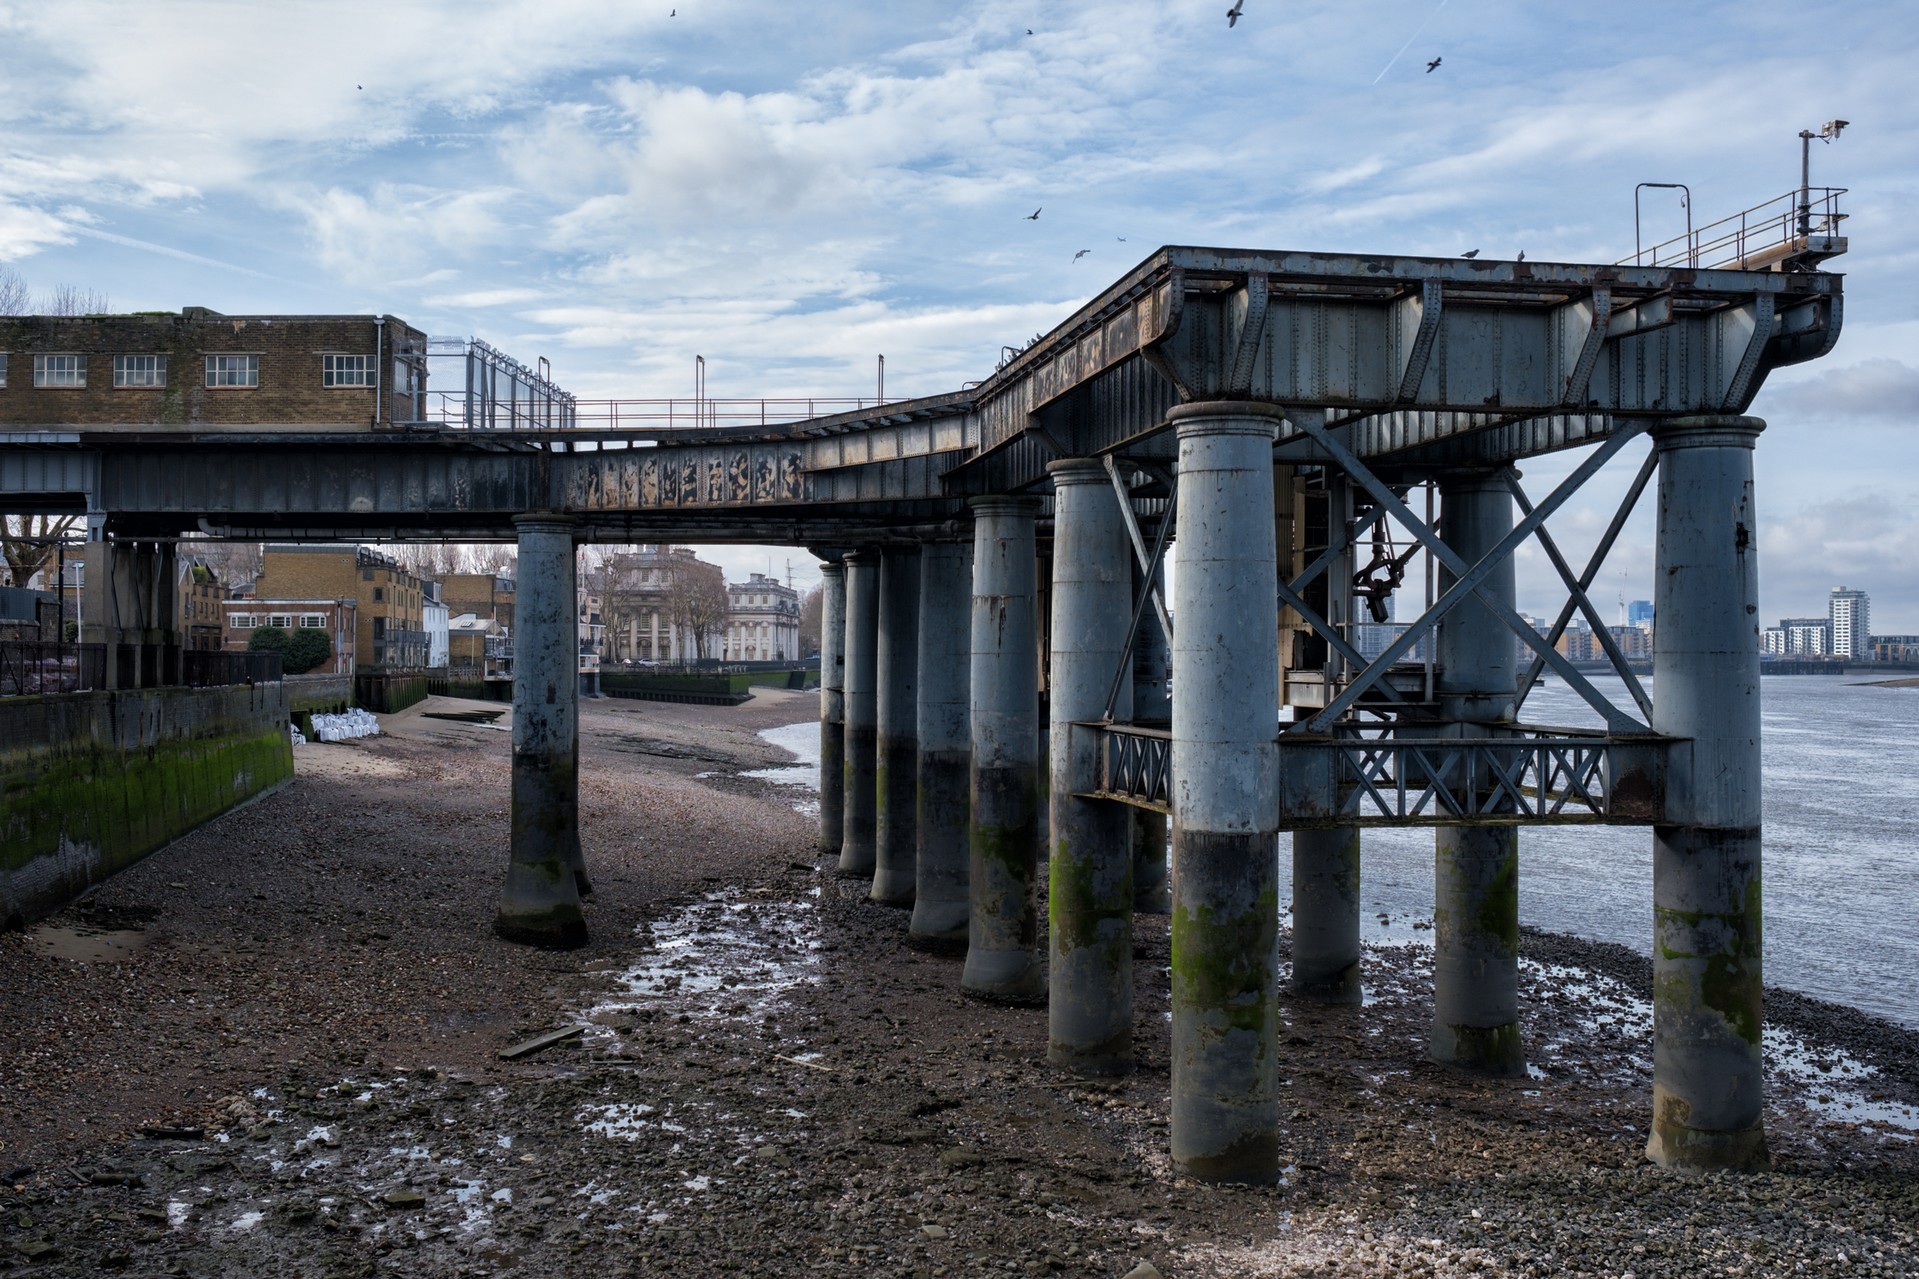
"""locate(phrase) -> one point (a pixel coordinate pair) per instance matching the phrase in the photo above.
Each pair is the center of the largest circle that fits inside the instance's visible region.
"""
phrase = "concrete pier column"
(1706, 883)
(1152, 702)
(540, 904)
(858, 810)
(1002, 954)
(832, 705)
(1090, 912)
(896, 775)
(130, 602)
(1476, 868)
(940, 904)
(1326, 949)
(1225, 921)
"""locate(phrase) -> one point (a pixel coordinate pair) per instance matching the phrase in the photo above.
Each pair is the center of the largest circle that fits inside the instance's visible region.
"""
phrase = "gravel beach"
(274, 1049)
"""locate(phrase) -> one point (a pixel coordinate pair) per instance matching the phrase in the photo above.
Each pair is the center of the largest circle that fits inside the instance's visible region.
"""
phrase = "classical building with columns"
(762, 621)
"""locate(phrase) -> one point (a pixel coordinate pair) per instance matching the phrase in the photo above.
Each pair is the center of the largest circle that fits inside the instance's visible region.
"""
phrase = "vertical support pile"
(1002, 959)
(940, 905)
(1476, 868)
(1225, 920)
(896, 774)
(1326, 949)
(1090, 921)
(832, 706)
(540, 903)
(862, 714)
(1707, 993)
(1152, 701)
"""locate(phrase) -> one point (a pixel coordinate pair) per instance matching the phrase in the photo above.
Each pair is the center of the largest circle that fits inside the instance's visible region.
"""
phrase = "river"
(1841, 846)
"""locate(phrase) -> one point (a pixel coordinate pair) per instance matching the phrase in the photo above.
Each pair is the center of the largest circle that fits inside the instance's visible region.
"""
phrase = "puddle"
(86, 945)
(733, 953)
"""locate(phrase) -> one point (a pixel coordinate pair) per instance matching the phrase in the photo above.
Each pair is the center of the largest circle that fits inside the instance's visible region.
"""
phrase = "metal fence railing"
(30, 669)
(1755, 237)
(452, 409)
(216, 670)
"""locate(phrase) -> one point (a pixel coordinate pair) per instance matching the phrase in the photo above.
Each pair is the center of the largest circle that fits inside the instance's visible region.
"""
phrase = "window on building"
(139, 370)
(59, 370)
(379, 594)
(347, 370)
(3, 368)
(233, 370)
(313, 621)
(366, 575)
(243, 621)
(281, 620)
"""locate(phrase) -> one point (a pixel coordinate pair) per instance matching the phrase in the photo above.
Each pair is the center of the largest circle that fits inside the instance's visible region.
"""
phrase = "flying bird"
(1470, 253)
(359, 86)
(1034, 215)
(1232, 14)
(1120, 238)
(1082, 253)
(1434, 65)
(1029, 31)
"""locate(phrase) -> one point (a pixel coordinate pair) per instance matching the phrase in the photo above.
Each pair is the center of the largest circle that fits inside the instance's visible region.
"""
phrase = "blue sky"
(791, 189)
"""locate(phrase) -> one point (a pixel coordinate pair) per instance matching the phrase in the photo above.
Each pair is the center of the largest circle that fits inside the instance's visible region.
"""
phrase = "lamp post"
(1827, 132)
(699, 390)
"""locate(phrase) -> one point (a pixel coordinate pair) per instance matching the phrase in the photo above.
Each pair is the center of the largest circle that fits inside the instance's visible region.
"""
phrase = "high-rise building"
(1851, 616)
(1639, 613)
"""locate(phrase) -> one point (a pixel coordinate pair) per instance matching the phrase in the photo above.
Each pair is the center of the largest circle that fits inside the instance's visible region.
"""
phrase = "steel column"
(1225, 919)
(1476, 868)
(1002, 959)
(896, 774)
(1707, 992)
(832, 705)
(940, 905)
(1090, 902)
(859, 808)
(1152, 703)
(540, 903)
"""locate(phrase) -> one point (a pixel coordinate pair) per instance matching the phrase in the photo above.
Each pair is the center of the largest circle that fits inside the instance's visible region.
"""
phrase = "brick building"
(207, 370)
(338, 618)
(485, 595)
(390, 631)
(202, 624)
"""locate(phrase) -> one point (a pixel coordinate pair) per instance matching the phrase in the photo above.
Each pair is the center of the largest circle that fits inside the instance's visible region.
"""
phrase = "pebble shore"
(274, 1049)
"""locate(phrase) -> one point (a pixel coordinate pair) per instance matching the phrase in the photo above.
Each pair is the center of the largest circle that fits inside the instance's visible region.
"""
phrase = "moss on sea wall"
(115, 776)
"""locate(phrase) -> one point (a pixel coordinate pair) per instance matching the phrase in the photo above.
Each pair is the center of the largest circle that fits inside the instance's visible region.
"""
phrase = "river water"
(1841, 868)
(1841, 846)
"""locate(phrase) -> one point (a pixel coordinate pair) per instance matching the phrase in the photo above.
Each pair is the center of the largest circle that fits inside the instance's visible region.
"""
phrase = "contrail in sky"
(1409, 43)
(170, 252)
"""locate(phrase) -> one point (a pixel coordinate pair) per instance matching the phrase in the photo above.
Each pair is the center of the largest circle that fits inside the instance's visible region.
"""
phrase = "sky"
(793, 188)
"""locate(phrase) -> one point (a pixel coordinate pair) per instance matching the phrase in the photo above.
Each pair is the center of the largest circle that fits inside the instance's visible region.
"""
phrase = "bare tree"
(696, 596)
(69, 299)
(237, 563)
(30, 543)
(15, 297)
(812, 609)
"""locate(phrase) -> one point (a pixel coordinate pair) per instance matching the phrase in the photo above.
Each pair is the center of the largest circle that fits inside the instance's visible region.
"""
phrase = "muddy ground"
(272, 1049)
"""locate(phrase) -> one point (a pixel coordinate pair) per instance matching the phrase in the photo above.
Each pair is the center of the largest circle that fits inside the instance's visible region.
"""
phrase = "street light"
(1827, 132)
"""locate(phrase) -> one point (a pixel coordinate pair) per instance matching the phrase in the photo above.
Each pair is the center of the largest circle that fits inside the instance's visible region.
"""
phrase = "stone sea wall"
(92, 782)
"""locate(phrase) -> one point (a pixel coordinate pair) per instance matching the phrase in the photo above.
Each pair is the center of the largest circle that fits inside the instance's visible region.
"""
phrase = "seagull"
(1470, 253)
(360, 87)
(672, 13)
(1034, 215)
(1232, 14)
(1434, 65)
(1120, 238)
(1029, 31)
(1082, 253)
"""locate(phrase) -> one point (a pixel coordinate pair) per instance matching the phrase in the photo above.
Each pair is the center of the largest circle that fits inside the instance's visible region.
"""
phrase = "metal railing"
(1524, 775)
(1762, 235)
(451, 409)
(217, 670)
(30, 669)
(33, 669)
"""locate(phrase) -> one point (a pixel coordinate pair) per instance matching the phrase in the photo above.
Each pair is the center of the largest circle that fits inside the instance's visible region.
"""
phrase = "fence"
(35, 670)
